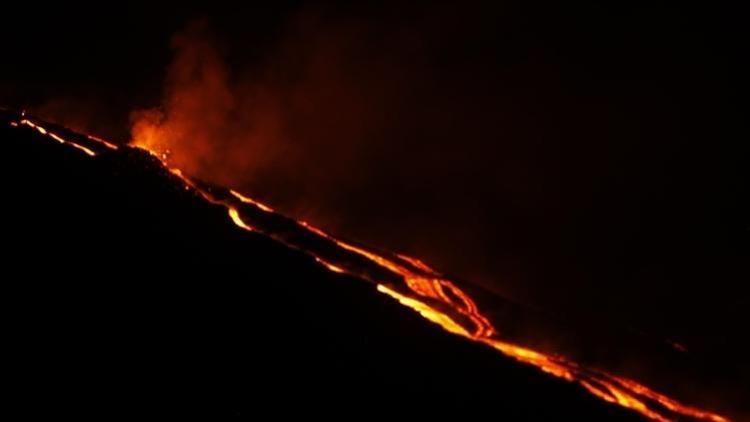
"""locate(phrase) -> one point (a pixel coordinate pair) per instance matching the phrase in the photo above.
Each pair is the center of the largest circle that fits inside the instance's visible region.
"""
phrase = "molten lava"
(421, 289)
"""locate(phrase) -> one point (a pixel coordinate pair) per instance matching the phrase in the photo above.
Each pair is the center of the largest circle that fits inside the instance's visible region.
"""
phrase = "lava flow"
(409, 281)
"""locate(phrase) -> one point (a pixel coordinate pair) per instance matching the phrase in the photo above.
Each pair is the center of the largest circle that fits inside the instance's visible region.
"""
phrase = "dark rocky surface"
(126, 296)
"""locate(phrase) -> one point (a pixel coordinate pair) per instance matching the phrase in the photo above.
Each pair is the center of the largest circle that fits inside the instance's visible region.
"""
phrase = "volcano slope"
(127, 294)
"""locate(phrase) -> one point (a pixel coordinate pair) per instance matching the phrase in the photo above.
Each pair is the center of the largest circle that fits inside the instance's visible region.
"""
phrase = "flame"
(440, 301)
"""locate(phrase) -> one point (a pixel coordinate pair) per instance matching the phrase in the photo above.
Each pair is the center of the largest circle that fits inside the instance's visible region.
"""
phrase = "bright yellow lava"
(442, 302)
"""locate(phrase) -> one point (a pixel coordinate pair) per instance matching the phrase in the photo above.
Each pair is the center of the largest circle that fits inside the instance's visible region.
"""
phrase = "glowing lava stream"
(435, 298)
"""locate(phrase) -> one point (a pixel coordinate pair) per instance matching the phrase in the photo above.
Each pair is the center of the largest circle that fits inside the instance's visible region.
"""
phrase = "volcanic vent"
(147, 290)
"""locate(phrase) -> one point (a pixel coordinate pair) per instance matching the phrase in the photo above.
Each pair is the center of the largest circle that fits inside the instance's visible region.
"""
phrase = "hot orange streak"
(548, 364)
(82, 148)
(416, 263)
(599, 392)
(669, 403)
(627, 400)
(431, 287)
(235, 216)
(426, 311)
(56, 137)
(434, 287)
(551, 365)
(251, 201)
(103, 142)
(427, 284)
(332, 267)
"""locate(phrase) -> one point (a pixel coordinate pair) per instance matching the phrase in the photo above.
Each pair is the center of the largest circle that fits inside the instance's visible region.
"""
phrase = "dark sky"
(584, 158)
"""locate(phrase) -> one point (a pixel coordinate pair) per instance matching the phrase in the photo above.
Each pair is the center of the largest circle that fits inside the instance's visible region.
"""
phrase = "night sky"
(584, 159)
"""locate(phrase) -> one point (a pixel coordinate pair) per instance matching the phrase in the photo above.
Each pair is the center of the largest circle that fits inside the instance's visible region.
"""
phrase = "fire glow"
(426, 292)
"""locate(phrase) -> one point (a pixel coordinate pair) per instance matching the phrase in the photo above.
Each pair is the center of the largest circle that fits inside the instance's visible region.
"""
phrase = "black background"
(589, 160)
(126, 295)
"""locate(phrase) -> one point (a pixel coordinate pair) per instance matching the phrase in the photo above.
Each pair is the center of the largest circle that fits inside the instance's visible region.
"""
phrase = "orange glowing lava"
(247, 200)
(56, 137)
(437, 299)
(235, 216)
(332, 267)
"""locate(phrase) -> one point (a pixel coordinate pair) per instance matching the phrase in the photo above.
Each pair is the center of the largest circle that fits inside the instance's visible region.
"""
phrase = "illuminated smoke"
(436, 298)
(203, 126)
(374, 136)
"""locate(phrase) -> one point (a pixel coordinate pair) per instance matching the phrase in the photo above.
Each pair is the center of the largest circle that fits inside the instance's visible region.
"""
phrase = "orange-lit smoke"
(204, 126)
(299, 126)
(442, 302)
(360, 132)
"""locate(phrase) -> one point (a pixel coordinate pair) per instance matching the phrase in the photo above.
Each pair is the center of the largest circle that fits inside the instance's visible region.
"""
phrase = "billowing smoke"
(530, 157)
(349, 124)
(581, 158)
(206, 126)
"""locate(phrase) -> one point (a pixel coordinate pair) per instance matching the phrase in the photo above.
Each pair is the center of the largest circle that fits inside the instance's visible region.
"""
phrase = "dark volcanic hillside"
(126, 295)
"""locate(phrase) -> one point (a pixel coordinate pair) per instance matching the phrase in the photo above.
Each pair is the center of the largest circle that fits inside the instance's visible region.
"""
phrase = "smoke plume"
(543, 168)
